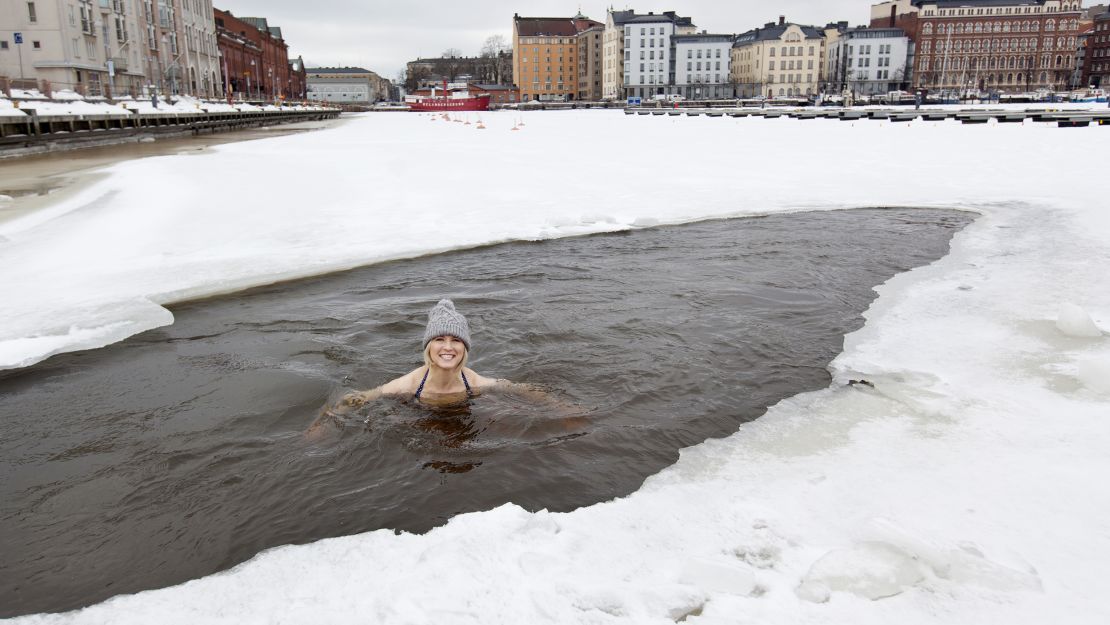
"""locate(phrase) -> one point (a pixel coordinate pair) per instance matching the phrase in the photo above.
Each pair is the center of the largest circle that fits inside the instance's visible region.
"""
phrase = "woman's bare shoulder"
(481, 381)
(402, 385)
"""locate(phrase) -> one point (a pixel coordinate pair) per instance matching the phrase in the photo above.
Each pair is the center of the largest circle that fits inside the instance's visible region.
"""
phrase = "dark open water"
(180, 452)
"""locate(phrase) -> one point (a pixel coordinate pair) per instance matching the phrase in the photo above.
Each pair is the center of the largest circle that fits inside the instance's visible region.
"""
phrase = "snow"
(73, 104)
(964, 486)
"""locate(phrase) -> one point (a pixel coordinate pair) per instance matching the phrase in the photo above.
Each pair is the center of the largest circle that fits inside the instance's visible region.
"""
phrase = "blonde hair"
(462, 361)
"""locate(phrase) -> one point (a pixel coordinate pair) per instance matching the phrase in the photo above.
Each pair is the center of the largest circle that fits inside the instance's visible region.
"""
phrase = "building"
(1097, 60)
(425, 73)
(241, 52)
(545, 56)
(701, 66)
(778, 60)
(867, 61)
(498, 94)
(996, 45)
(273, 75)
(618, 41)
(896, 14)
(112, 47)
(87, 47)
(200, 54)
(179, 46)
(298, 79)
(346, 85)
(649, 60)
(256, 57)
(589, 63)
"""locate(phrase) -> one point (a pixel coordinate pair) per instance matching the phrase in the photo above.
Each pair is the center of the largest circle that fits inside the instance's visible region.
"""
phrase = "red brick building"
(241, 55)
(996, 45)
(1096, 64)
(499, 94)
(256, 58)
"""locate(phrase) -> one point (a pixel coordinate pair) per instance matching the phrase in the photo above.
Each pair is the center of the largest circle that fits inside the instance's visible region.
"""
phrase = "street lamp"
(270, 80)
(249, 79)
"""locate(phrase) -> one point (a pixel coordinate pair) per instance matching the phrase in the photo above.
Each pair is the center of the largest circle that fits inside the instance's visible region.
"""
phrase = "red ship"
(457, 100)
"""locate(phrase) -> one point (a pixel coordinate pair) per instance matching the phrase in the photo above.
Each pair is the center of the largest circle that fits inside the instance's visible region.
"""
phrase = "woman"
(444, 379)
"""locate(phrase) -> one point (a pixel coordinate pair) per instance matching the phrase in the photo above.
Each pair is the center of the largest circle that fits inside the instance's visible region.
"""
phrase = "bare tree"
(496, 60)
(450, 64)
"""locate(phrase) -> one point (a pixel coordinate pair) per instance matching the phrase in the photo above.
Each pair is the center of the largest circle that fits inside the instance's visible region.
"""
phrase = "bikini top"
(420, 389)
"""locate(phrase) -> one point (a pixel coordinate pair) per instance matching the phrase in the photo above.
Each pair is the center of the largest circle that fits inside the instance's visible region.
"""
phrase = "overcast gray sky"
(382, 35)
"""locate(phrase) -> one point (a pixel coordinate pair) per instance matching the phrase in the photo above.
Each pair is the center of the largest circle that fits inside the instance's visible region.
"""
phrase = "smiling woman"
(443, 380)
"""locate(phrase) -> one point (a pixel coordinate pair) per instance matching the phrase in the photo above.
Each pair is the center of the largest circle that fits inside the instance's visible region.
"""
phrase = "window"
(31, 12)
(36, 45)
(4, 44)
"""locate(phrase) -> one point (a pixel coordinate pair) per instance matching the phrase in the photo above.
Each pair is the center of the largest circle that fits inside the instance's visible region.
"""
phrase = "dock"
(1063, 118)
(32, 133)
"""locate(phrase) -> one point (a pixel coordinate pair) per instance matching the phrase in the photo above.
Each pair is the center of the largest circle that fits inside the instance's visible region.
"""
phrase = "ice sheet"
(964, 486)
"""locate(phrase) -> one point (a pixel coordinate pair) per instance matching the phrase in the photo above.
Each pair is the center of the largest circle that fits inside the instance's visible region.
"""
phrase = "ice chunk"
(869, 569)
(1074, 321)
(718, 576)
(963, 564)
(645, 222)
(5, 198)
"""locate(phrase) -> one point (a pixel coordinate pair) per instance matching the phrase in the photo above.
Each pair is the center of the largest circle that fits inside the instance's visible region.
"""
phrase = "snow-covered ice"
(964, 486)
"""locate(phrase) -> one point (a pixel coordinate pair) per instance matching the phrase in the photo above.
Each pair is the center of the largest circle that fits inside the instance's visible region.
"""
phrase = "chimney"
(893, 15)
(782, 20)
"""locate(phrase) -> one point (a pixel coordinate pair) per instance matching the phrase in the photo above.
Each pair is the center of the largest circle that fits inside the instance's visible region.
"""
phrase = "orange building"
(545, 56)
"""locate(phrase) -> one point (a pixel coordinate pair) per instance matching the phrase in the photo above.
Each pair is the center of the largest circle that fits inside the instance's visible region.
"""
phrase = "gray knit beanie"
(443, 319)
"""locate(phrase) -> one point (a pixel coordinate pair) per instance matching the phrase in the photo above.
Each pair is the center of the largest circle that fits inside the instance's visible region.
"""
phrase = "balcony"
(120, 63)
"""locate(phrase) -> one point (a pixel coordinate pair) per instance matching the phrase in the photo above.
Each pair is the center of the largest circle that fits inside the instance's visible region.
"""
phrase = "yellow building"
(778, 60)
(546, 56)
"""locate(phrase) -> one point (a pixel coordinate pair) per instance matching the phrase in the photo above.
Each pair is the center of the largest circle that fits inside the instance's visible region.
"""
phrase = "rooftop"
(552, 26)
(956, 4)
(772, 31)
(631, 17)
(338, 70)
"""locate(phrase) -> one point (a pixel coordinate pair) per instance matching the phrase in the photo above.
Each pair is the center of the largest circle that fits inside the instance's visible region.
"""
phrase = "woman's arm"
(353, 401)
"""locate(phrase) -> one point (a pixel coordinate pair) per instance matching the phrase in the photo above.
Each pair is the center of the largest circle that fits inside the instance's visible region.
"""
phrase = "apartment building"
(778, 60)
(177, 42)
(702, 66)
(545, 56)
(867, 61)
(621, 47)
(1096, 65)
(92, 48)
(996, 45)
(589, 63)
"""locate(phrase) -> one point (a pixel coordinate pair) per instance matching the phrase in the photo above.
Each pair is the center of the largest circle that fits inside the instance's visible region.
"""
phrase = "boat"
(1088, 96)
(448, 100)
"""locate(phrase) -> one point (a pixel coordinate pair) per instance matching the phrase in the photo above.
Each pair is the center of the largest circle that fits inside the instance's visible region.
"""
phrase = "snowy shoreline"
(962, 487)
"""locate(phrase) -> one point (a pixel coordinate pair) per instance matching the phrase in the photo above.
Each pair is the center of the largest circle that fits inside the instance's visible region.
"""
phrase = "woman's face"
(446, 351)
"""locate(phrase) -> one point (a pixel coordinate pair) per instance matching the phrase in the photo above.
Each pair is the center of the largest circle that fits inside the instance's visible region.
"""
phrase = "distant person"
(154, 99)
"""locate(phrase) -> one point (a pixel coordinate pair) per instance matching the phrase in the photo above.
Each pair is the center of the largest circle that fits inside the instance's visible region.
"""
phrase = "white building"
(111, 47)
(868, 61)
(345, 85)
(702, 66)
(83, 46)
(643, 64)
